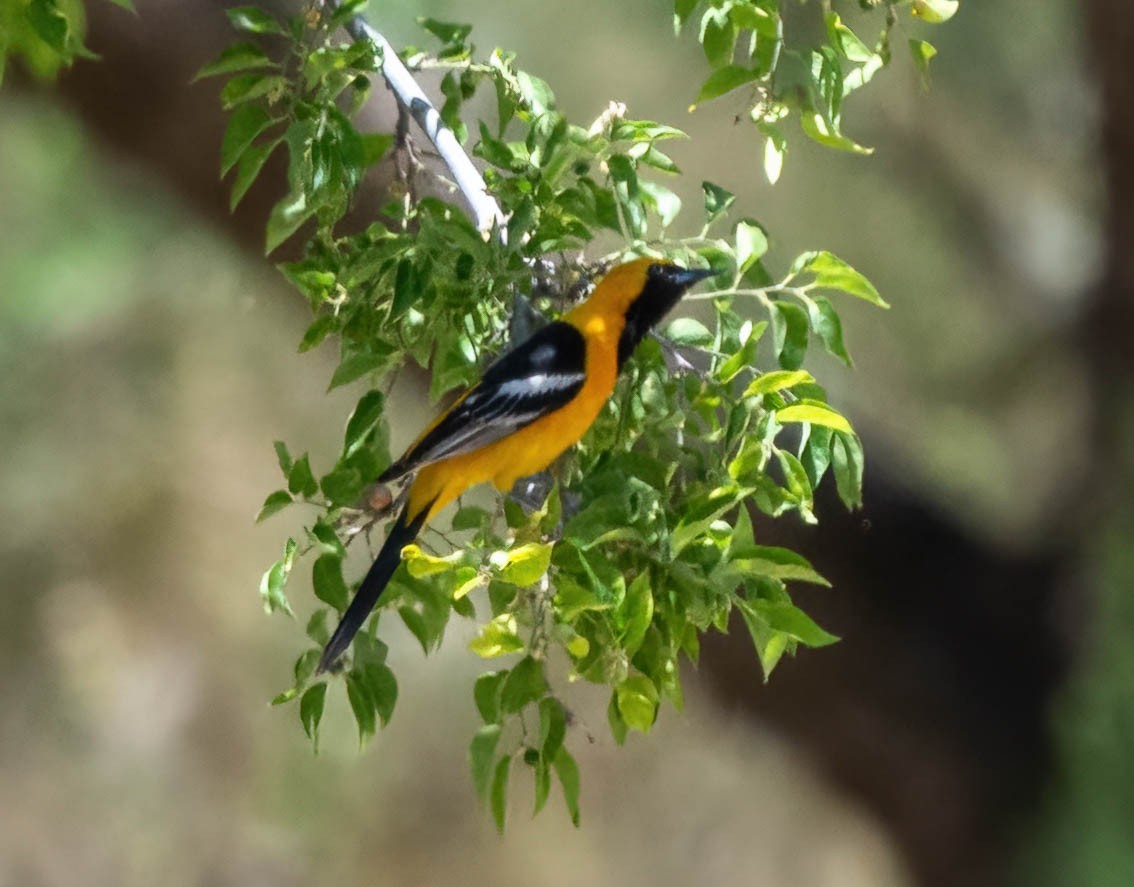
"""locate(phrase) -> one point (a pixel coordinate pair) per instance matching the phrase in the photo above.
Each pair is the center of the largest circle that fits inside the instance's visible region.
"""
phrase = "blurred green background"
(147, 362)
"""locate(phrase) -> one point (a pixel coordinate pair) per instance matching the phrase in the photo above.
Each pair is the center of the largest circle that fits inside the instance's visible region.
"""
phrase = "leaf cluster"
(751, 52)
(45, 35)
(645, 536)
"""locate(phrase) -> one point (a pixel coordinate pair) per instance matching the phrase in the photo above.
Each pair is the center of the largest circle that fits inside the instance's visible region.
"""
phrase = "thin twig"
(486, 211)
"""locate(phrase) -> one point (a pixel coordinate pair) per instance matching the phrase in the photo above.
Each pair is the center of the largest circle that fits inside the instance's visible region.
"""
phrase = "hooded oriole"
(532, 404)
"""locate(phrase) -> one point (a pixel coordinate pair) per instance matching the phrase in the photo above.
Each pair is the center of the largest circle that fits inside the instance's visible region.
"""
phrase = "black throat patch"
(665, 285)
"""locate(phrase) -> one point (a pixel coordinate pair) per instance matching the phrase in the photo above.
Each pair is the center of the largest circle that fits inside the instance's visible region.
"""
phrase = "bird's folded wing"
(536, 378)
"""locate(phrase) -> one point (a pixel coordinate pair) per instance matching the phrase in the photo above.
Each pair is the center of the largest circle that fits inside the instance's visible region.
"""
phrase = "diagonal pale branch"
(485, 210)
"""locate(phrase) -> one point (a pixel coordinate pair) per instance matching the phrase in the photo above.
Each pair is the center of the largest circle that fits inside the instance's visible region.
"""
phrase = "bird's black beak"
(683, 278)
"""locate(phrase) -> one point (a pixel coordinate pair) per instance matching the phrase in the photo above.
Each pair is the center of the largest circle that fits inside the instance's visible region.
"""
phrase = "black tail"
(401, 534)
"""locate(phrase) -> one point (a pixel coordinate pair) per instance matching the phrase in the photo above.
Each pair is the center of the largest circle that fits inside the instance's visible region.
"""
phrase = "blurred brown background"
(974, 726)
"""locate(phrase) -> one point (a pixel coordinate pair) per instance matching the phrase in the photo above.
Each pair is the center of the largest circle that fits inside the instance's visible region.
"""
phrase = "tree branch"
(485, 210)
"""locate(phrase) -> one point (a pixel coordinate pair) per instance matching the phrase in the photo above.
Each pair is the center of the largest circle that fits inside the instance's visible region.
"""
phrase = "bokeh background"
(974, 726)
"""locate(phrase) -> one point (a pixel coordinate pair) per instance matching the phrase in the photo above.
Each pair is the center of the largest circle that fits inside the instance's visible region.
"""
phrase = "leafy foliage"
(748, 51)
(642, 538)
(45, 34)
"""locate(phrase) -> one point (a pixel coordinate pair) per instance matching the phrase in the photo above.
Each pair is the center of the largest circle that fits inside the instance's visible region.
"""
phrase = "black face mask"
(665, 285)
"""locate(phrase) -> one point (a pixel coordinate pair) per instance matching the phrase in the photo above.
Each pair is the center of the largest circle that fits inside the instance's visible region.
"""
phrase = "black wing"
(535, 378)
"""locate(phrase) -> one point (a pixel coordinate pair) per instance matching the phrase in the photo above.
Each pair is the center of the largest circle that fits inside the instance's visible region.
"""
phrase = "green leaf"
(326, 539)
(408, 287)
(125, 4)
(638, 702)
(542, 783)
(793, 622)
(368, 650)
(415, 622)
(357, 363)
(383, 689)
(636, 612)
(798, 484)
(238, 57)
(248, 168)
(568, 772)
(663, 201)
(285, 218)
(770, 645)
(524, 565)
(321, 327)
(552, 727)
(717, 201)
(311, 712)
(274, 581)
(750, 337)
(536, 94)
(681, 11)
(50, 24)
(499, 794)
(277, 501)
(362, 704)
(419, 564)
(816, 413)
(935, 11)
(777, 380)
(283, 457)
(831, 272)
(317, 628)
(725, 80)
(327, 577)
(246, 87)
(618, 727)
(847, 41)
(345, 10)
(305, 667)
(718, 36)
(446, 32)
(497, 638)
(775, 148)
(525, 684)
(300, 480)
(789, 333)
(700, 514)
(644, 131)
(245, 124)
(749, 561)
(342, 486)
(486, 693)
(826, 323)
(367, 413)
(819, 129)
(254, 20)
(922, 52)
(482, 753)
(751, 244)
(470, 517)
(690, 332)
(847, 462)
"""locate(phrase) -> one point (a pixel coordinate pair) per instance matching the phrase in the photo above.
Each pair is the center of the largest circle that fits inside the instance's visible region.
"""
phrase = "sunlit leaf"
(831, 272)
(816, 414)
(638, 702)
(254, 20)
(935, 11)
